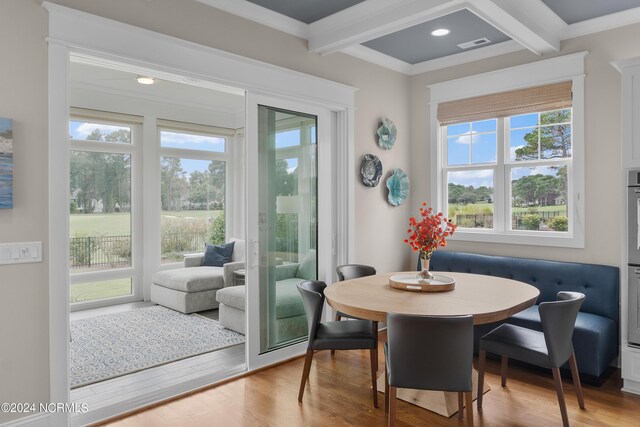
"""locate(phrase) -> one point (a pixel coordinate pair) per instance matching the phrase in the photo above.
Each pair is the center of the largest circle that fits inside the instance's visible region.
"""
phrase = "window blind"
(540, 98)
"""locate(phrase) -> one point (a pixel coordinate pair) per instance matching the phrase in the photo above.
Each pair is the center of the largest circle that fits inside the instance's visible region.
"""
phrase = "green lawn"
(90, 291)
(119, 224)
(478, 208)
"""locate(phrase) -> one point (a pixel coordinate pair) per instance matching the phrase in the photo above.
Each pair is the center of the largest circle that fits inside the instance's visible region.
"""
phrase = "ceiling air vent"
(474, 43)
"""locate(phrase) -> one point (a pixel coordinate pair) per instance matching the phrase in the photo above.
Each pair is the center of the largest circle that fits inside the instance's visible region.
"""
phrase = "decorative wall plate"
(387, 134)
(398, 185)
(370, 170)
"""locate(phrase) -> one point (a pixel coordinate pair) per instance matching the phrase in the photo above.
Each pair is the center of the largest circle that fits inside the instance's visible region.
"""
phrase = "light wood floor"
(339, 395)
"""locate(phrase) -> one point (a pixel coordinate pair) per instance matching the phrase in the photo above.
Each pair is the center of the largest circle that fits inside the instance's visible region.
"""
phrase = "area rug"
(111, 345)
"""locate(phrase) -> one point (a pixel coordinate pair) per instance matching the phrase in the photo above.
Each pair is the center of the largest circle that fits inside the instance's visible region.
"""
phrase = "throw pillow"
(218, 255)
(307, 269)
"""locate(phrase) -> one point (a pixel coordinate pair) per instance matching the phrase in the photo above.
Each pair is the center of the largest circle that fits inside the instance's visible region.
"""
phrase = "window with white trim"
(508, 165)
(193, 187)
(536, 153)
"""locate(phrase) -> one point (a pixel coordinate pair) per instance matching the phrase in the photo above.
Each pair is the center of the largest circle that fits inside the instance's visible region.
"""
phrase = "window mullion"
(500, 205)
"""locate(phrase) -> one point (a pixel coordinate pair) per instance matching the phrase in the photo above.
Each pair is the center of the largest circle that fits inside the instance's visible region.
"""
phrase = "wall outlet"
(20, 253)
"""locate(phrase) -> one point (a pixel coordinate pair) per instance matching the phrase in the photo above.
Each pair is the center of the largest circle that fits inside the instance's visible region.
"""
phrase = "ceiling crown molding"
(261, 15)
(531, 24)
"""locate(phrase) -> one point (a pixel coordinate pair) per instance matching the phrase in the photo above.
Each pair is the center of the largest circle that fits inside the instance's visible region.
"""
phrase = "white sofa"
(193, 287)
(290, 319)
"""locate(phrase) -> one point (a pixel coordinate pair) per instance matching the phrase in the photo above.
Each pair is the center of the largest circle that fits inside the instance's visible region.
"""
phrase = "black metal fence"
(97, 251)
(475, 220)
(486, 220)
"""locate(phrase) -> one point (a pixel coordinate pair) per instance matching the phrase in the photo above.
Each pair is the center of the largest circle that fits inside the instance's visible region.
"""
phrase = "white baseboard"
(36, 420)
(631, 386)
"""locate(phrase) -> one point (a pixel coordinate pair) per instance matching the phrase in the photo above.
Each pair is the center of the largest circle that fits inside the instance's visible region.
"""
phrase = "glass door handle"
(254, 253)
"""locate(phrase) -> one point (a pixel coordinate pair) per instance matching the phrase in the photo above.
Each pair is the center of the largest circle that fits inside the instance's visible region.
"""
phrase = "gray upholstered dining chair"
(354, 271)
(550, 348)
(429, 353)
(353, 335)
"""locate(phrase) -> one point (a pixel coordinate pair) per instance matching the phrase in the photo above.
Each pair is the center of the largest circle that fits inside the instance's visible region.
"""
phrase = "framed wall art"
(6, 163)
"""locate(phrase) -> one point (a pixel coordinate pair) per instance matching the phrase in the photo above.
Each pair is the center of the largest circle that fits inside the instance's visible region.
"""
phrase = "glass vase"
(424, 274)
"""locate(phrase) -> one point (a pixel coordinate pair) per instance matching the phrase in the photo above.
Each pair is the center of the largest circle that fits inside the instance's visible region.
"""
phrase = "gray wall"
(24, 334)
(604, 185)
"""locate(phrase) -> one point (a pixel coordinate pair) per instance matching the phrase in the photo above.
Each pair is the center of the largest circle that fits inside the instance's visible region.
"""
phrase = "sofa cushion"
(288, 299)
(232, 296)
(238, 249)
(218, 255)
(192, 279)
(307, 269)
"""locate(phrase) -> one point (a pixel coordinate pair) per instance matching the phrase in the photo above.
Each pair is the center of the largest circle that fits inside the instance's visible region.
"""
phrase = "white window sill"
(535, 238)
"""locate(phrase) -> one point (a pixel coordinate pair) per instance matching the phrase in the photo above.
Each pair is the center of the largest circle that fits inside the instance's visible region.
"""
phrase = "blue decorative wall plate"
(370, 170)
(398, 185)
(387, 133)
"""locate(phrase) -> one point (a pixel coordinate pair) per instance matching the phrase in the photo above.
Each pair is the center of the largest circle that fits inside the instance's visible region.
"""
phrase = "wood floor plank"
(338, 393)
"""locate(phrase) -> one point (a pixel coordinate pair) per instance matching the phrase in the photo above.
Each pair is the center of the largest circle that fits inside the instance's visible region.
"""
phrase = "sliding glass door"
(287, 143)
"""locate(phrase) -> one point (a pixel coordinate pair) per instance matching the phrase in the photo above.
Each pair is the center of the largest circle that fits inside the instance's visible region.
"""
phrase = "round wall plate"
(398, 185)
(387, 133)
(370, 170)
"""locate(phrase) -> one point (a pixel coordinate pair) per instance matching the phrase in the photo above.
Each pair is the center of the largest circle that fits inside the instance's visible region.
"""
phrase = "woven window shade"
(540, 98)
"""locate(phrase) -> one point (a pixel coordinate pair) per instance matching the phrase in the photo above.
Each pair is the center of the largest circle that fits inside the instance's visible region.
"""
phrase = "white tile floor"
(117, 392)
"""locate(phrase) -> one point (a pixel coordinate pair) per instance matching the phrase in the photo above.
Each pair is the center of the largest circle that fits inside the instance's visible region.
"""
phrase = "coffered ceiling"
(397, 33)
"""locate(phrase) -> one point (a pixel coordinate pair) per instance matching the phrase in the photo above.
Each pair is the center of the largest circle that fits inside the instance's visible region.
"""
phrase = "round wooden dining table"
(487, 298)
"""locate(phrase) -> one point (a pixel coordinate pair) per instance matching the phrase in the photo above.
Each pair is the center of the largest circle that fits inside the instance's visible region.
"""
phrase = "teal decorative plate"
(387, 133)
(398, 185)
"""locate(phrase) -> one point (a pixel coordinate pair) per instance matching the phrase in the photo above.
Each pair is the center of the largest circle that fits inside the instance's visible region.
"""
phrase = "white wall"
(23, 97)
(24, 288)
(604, 188)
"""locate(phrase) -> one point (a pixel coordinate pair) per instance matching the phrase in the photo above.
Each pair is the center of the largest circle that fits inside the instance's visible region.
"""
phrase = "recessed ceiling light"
(440, 32)
(146, 80)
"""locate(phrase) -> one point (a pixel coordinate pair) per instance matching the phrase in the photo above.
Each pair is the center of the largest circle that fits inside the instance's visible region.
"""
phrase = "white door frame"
(326, 207)
(172, 59)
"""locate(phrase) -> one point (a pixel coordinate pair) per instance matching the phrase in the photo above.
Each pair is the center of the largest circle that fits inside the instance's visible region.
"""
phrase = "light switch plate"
(20, 253)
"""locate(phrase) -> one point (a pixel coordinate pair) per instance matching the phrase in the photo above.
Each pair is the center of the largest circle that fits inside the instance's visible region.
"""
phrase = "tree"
(173, 183)
(217, 181)
(199, 191)
(286, 182)
(555, 139)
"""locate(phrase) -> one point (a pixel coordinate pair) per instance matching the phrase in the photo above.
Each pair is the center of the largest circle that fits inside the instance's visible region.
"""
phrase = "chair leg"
(337, 318)
(386, 390)
(482, 357)
(503, 370)
(468, 396)
(375, 334)
(374, 382)
(563, 407)
(392, 406)
(576, 379)
(460, 404)
(305, 373)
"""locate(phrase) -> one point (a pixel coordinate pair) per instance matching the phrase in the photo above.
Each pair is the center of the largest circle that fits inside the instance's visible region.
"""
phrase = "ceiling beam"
(372, 19)
(531, 23)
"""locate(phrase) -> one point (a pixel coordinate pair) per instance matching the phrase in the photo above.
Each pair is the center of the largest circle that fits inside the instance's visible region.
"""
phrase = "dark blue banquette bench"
(596, 334)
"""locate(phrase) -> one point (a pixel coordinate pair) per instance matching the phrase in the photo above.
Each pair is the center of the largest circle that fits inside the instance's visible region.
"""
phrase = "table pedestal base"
(441, 402)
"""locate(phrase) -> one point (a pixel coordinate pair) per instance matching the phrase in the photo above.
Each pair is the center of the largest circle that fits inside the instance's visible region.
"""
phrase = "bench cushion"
(192, 279)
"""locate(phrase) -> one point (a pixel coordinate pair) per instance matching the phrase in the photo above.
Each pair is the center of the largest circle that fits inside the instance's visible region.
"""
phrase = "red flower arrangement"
(430, 233)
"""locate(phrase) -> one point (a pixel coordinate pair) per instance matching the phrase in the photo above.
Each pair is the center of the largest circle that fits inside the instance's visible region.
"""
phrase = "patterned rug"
(111, 345)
